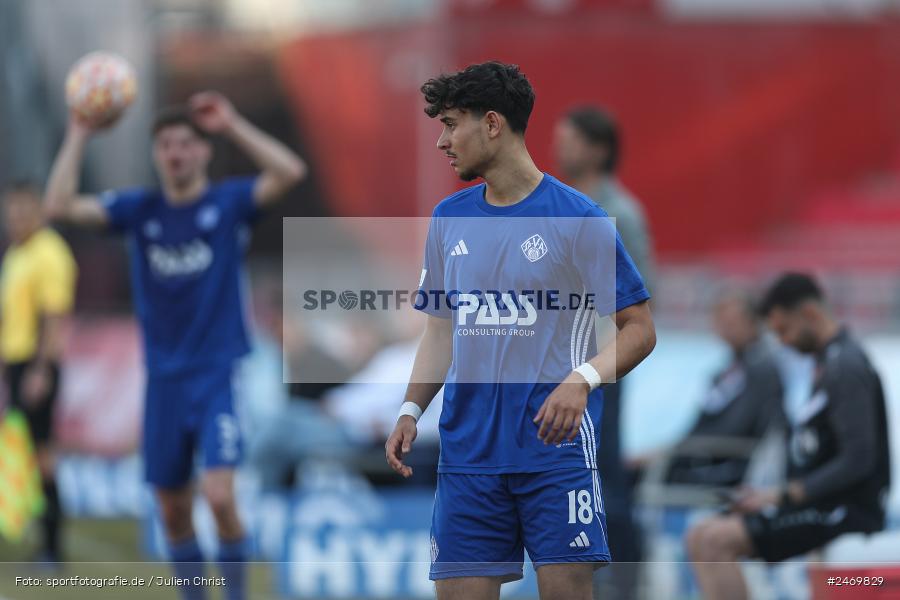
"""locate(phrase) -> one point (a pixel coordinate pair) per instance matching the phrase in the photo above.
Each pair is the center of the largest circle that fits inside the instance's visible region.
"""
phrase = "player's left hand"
(560, 415)
(35, 385)
(212, 111)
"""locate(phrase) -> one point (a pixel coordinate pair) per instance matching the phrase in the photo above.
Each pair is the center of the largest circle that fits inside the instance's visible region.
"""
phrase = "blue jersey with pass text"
(524, 286)
(186, 272)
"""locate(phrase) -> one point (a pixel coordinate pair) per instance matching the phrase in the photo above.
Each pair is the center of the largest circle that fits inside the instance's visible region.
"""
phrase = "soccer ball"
(99, 87)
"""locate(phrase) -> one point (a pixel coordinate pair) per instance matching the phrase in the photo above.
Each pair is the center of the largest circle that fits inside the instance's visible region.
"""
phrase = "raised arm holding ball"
(187, 243)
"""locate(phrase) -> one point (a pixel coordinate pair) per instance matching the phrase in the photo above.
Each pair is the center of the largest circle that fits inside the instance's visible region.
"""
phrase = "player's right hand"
(212, 111)
(749, 500)
(399, 444)
(35, 386)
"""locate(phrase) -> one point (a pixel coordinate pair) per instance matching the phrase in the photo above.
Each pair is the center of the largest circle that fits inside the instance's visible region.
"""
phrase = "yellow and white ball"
(99, 87)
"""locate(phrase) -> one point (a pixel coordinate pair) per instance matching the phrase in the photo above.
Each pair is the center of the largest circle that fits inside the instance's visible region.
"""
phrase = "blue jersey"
(186, 272)
(519, 334)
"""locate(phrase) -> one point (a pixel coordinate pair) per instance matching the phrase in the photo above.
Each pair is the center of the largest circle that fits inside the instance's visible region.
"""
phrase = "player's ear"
(494, 123)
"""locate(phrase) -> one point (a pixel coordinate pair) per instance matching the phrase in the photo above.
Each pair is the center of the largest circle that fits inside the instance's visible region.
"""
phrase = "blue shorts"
(482, 523)
(184, 413)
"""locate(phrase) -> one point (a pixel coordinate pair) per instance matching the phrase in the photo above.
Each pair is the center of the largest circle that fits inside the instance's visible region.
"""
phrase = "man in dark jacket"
(838, 458)
(744, 400)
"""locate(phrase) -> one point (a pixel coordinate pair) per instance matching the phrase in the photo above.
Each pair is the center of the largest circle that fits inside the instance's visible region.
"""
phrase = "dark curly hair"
(789, 291)
(479, 88)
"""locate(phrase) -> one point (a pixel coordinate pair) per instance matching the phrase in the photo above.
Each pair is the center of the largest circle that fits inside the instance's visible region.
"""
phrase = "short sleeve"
(56, 280)
(122, 207)
(431, 298)
(604, 266)
(237, 194)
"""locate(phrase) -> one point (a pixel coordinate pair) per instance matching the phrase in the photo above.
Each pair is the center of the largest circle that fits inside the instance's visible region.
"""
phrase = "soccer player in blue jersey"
(517, 469)
(187, 238)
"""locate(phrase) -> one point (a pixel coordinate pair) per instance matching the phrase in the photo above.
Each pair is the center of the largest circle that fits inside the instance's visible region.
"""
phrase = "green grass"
(103, 548)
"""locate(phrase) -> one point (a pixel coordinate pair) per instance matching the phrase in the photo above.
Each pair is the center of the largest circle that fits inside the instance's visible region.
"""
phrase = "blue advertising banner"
(365, 545)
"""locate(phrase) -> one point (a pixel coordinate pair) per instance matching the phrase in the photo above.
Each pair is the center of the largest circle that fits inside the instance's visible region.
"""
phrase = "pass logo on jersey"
(489, 312)
(185, 259)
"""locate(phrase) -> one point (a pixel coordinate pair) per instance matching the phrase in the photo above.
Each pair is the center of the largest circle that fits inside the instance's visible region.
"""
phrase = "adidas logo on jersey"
(459, 249)
(580, 542)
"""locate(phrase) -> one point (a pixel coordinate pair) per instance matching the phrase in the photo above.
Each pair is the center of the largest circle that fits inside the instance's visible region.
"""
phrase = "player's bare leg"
(176, 507)
(572, 581)
(217, 485)
(469, 588)
(716, 546)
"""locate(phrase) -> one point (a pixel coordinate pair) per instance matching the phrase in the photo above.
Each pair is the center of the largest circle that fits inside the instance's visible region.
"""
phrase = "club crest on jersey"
(208, 218)
(152, 229)
(534, 248)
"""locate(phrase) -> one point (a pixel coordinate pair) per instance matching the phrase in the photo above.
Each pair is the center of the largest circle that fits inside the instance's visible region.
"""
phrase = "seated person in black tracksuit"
(744, 400)
(839, 464)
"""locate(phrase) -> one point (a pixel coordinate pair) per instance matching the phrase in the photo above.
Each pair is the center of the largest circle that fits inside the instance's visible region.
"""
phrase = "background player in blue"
(187, 241)
(511, 475)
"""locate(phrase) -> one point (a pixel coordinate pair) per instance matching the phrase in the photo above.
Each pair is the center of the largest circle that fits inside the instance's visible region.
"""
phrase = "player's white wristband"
(590, 374)
(412, 409)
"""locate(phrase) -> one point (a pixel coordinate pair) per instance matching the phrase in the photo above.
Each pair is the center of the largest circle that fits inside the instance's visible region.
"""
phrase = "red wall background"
(730, 128)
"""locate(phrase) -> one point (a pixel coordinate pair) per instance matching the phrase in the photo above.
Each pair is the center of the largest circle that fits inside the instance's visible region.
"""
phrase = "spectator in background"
(588, 151)
(286, 423)
(745, 398)
(587, 148)
(364, 405)
(37, 288)
(838, 458)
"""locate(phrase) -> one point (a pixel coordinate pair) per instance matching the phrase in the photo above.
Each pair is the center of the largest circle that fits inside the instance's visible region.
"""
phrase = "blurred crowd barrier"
(336, 524)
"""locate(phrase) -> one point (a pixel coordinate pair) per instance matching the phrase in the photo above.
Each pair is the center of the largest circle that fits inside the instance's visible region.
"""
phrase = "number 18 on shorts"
(482, 524)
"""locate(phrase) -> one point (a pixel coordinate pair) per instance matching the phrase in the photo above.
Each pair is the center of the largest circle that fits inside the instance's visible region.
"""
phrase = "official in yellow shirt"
(37, 288)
